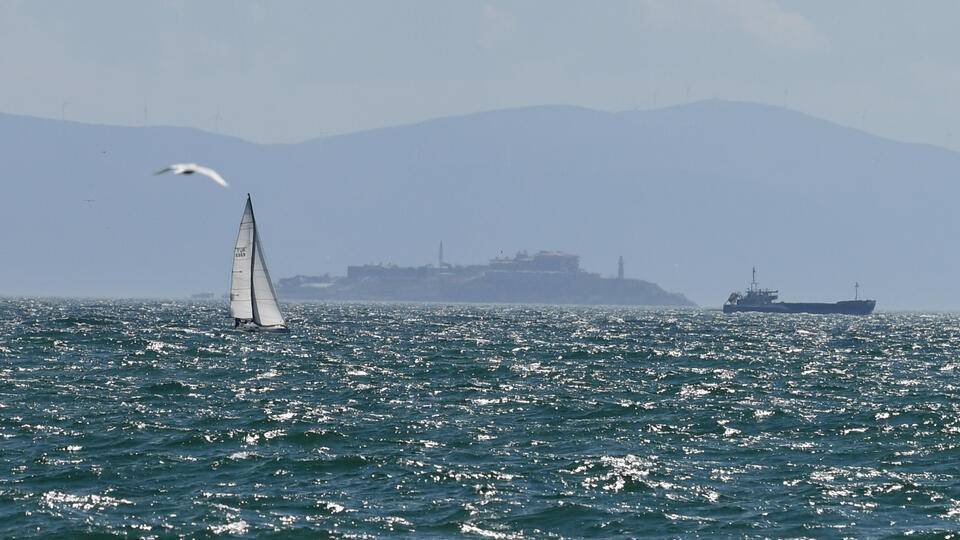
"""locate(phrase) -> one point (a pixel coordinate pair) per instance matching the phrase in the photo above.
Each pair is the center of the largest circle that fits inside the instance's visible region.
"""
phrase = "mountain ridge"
(691, 195)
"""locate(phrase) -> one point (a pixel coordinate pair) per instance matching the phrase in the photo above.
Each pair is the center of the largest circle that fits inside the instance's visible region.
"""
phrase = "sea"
(157, 420)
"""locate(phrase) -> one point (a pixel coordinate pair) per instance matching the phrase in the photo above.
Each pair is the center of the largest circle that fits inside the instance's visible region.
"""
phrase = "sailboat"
(253, 302)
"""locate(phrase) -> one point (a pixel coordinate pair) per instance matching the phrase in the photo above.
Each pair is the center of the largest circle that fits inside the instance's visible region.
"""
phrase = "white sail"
(266, 311)
(241, 300)
(251, 292)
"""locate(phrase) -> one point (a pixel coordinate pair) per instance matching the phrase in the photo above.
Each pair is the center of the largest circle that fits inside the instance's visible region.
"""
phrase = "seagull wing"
(213, 175)
(179, 168)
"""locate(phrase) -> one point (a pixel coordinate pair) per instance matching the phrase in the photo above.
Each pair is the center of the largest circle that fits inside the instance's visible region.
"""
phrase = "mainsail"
(251, 292)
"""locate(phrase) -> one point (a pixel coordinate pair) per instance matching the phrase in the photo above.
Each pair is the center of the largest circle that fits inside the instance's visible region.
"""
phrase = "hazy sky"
(283, 71)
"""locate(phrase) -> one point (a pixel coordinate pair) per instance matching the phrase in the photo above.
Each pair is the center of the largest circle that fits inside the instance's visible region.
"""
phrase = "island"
(545, 277)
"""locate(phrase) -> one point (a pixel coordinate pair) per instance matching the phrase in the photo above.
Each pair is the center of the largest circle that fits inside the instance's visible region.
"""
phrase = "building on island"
(546, 277)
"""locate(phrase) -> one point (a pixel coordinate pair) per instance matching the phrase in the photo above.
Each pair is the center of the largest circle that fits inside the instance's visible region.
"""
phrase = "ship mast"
(753, 282)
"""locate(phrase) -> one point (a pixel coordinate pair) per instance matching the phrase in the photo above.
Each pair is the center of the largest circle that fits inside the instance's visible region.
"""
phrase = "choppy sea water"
(154, 419)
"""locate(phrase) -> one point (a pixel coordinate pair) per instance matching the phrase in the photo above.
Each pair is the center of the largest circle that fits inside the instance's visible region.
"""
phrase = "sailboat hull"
(253, 327)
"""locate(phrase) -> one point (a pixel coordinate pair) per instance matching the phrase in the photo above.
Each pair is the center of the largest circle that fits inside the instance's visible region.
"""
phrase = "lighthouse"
(620, 268)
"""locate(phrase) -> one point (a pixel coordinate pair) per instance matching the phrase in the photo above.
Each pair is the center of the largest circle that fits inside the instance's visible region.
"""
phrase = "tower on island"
(620, 268)
(440, 256)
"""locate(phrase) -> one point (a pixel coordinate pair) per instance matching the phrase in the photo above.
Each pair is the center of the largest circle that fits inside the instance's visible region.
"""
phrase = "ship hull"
(847, 307)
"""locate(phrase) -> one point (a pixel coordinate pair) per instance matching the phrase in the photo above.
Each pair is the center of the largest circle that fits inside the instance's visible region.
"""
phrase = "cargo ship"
(763, 300)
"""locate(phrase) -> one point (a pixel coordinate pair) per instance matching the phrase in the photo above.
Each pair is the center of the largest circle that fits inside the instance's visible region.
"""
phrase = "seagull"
(190, 168)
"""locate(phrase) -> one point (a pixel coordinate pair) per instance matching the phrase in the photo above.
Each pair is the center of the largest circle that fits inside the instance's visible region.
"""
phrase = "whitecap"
(235, 528)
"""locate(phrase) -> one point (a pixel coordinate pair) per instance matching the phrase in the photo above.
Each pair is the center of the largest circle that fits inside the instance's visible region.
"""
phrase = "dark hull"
(847, 307)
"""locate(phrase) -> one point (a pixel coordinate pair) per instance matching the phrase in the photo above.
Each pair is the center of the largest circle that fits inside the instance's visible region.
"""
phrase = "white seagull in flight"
(190, 168)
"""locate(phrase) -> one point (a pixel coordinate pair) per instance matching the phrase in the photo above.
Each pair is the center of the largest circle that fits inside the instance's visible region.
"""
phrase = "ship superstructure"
(754, 296)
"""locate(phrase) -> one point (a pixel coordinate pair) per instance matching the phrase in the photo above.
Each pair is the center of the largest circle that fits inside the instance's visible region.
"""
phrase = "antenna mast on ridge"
(856, 291)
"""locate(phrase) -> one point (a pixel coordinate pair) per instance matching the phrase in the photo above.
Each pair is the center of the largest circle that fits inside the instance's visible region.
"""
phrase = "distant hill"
(540, 278)
(691, 196)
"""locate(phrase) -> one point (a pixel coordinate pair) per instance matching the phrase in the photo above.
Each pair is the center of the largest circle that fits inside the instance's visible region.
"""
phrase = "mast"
(753, 282)
(856, 291)
(253, 258)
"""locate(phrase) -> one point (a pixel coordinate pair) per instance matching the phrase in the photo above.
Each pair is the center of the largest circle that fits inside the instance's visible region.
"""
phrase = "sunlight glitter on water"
(499, 421)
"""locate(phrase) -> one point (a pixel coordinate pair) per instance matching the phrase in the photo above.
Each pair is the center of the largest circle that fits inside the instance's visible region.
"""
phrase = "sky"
(279, 71)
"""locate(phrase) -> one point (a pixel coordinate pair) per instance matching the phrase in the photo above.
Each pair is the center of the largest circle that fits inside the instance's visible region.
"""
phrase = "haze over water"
(369, 420)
